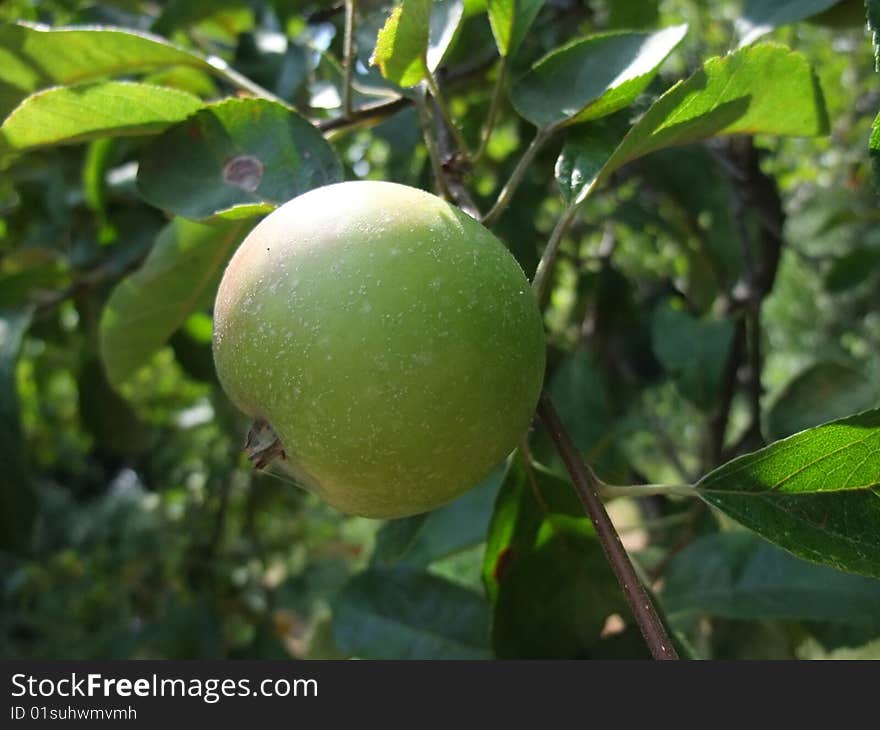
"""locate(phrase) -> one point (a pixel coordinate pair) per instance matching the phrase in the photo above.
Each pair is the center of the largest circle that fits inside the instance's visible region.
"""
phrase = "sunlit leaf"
(592, 77)
(70, 114)
(816, 494)
(402, 44)
(763, 89)
(35, 57)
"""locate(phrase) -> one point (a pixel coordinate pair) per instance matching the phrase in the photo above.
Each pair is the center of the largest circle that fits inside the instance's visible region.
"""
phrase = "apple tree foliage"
(690, 186)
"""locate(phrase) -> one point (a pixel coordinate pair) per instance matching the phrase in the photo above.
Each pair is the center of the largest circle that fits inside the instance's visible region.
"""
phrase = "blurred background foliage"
(133, 526)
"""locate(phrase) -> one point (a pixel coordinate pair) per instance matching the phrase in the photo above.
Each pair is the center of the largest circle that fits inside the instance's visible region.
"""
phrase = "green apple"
(387, 346)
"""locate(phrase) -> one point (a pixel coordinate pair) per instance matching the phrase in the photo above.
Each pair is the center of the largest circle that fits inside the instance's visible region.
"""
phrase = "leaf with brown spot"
(234, 159)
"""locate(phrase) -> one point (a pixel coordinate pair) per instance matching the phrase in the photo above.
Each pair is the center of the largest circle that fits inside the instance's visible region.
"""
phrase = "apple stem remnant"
(261, 445)
(588, 487)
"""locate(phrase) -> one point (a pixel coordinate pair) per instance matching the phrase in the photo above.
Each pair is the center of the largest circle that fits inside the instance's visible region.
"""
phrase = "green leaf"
(852, 269)
(402, 44)
(444, 23)
(396, 537)
(579, 389)
(544, 570)
(519, 510)
(512, 516)
(823, 392)
(816, 494)
(423, 539)
(17, 499)
(555, 597)
(510, 21)
(236, 158)
(179, 276)
(404, 614)
(763, 89)
(694, 352)
(592, 77)
(415, 39)
(737, 575)
(584, 154)
(70, 114)
(761, 16)
(36, 57)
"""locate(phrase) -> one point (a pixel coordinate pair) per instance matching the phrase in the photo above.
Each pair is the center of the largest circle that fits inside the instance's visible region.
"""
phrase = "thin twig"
(587, 487)
(350, 8)
(541, 282)
(516, 177)
(378, 111)
(757, 192)
(610, 491)
(374, 113)
(240, 81)
(494, 105)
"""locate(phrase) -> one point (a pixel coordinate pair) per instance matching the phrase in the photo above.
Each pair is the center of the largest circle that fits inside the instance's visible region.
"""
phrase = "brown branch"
(721, 415)
(369, 113)
(427, 124)
(381, 110)
(757, 192)
(453, 165)
(587, 486)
